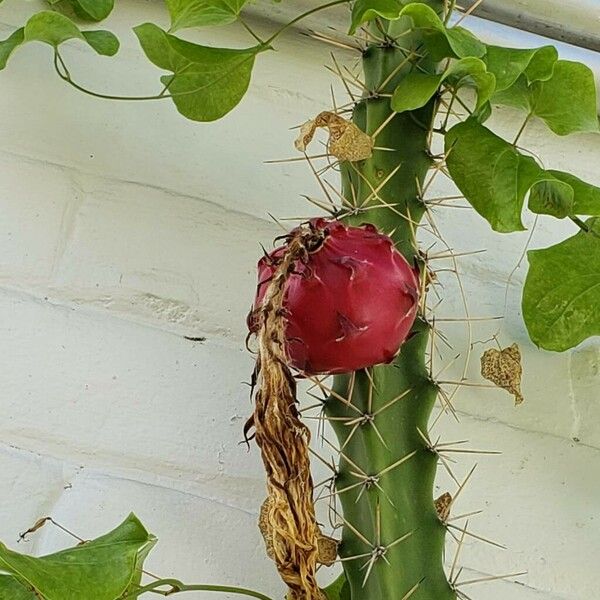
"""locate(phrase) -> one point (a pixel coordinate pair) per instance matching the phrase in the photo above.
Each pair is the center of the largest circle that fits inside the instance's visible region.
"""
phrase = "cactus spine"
(386, 471)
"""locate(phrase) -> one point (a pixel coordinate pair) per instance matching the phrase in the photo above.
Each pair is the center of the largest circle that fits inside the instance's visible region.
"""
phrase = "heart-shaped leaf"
(442, 41)
(103, 569)
(562, 291)
(54, 29)
(206, 82)
(508, 64)
(198, 13)
(566, 101)
(495, 178)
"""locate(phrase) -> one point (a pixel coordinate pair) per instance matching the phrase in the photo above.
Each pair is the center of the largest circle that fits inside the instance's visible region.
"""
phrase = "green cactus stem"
(385, 480)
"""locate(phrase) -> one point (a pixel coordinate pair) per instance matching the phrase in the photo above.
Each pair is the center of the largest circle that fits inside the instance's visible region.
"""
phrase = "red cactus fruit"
(350, 305)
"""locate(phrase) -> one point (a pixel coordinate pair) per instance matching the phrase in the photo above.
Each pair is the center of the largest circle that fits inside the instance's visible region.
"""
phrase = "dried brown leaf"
(443, 505)
(503, 368)
(346, 140)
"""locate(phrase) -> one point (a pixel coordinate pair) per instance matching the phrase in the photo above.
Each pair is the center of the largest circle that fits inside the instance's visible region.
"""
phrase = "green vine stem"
(393, 540)
(175, 586)
(62, 71)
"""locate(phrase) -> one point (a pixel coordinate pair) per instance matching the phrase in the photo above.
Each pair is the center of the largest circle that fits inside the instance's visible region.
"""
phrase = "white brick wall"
(124, 227)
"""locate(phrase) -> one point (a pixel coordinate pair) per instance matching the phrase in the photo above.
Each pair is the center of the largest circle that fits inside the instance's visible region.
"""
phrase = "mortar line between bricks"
(494, 421)
(91, 311)
(126, 474)
(165, 190)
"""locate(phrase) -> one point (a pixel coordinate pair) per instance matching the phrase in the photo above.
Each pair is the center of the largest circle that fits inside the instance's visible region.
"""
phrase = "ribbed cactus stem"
(386, 471)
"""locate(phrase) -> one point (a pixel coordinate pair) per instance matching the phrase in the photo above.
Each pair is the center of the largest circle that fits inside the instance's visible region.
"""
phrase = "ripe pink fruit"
(350, 306)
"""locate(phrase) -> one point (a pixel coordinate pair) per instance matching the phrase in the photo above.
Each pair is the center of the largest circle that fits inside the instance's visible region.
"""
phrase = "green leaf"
(442, 42)
(51, 28)
(197, 13)
(472, 71)
(567, 101)
(11, 589)
(8, 46)
(339, 589)
(417, 88)
(415, 91)
(517, 95)
(103, 42)
(562, 291)
(368, 10)
(495, 177)
(551, 197)
(508, 64)
(92, 10)
(586, 200)
(207, 82)
(54, 29)
(541, 66)
(102, 569)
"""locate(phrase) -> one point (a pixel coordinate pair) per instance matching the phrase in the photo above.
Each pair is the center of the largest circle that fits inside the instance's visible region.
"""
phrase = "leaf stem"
(584, 226)
(175, 586)
(449, 6)
(463, 104)
(250, 31)
(264, 45)
(58, 63)
(522, 129)
(65, 76)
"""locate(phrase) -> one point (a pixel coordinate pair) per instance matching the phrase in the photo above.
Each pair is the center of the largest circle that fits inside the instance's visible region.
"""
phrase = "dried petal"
(287, 519)
(346, 140)
(503, 368)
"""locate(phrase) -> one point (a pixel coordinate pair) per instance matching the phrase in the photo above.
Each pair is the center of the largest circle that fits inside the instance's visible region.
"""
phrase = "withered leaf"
(503, 368)
(346, 140)
(443, 505)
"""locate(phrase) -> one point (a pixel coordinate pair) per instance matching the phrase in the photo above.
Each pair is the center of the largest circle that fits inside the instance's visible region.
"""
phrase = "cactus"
(393, 506)
(393, 538)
